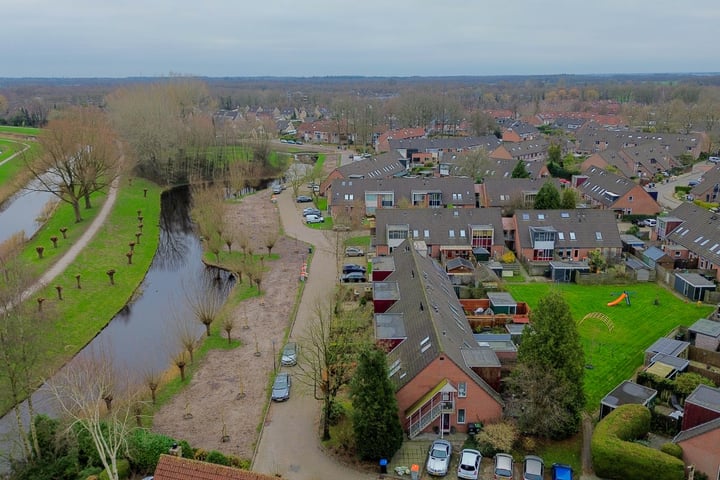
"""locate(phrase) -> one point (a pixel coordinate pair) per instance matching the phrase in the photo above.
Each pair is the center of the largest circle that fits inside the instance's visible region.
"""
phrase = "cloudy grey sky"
(119, 38)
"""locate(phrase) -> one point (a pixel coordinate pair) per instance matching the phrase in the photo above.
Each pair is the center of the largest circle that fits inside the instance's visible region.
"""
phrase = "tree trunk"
(88, 205)
(33, 430)
(326, 418)
(76, 210)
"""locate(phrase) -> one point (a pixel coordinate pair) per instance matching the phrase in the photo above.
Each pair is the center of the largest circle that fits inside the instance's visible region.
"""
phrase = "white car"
(469, 466)
(314, 219)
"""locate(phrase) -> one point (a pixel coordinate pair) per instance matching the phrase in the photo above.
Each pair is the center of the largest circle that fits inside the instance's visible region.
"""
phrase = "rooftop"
(629, 392)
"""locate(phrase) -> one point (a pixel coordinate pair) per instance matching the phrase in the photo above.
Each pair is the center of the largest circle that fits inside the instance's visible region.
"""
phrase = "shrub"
(508, 257)
(145, 449)
(672, 449)
(123, 466)
(614, 456)
(497, 437)
(217, 458)
(187, 451)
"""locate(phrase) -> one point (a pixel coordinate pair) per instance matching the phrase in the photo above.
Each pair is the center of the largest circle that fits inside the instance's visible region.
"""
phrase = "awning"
(660, 369)
(443, 386)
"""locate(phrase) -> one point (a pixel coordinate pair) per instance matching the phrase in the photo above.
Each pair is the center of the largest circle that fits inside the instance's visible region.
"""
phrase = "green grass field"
(614, 356)
(19, 130)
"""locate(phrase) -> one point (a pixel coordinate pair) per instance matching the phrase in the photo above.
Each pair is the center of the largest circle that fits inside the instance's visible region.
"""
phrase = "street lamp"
(273, 354)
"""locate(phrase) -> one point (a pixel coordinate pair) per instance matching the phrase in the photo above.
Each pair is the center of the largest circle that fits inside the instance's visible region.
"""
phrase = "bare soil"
(227, 395)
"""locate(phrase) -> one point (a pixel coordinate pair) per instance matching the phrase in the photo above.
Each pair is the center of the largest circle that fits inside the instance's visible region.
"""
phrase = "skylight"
(572, 235)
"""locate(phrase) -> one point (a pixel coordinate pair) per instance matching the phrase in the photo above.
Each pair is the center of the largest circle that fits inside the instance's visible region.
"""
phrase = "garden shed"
(693, 286)
(565, 272)
(626, 393)
(640, 269)
(481, 254)
(502, 302)
(655, 256)
(705, 334)
(667, 346)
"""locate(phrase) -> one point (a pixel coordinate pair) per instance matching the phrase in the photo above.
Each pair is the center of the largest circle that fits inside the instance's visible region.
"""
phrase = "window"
(461, 415)
(462, 389)
(598, 235)
(630, 198)
(397, 234)
(427, 233)
(572, 235)
(462, 233)
(452, 233)
(561, 235)
(415, 234)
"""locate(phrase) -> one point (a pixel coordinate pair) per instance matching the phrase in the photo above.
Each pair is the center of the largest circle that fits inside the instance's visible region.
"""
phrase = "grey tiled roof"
(433, 319)
(668, 346)
(629, 392)
(502, 192)
(706, 327)
(584, 224)
(488, 142)
(699, 232)
(706, 397)
(403, 187)
(382, 166)
(605, 187)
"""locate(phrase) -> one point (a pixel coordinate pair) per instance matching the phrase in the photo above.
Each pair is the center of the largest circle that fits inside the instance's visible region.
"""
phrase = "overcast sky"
(120, 38)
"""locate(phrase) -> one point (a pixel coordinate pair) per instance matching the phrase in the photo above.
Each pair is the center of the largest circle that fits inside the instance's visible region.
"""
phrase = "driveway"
(666, 190)
(289, 443)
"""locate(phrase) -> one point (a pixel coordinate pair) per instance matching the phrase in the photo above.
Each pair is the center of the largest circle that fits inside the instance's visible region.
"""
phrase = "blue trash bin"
(383, 465)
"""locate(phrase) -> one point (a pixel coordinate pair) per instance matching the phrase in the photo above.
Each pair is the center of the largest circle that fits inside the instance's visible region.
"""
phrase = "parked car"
(533, 468)
(503, 466)
(469, 466)
(648, 222)
(281, 387)
(354, 252)
(303, 199)
(289, 354)
(314, 219)
(311, 211)
(353, 277)
(714, 159)
(277, 188)
(353, 267)
(439, 458)
(561, 472)
(694, 183)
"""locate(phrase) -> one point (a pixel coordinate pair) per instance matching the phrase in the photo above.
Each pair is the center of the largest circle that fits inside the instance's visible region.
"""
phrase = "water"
(144, 335)
(19, 213)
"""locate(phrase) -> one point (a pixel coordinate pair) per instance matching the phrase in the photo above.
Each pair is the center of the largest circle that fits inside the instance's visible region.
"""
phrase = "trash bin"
(310, 250)
(383, 465)
(415, 471)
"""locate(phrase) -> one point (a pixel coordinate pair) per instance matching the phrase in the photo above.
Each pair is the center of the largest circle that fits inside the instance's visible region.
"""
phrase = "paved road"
(289, 444)
(666, 190)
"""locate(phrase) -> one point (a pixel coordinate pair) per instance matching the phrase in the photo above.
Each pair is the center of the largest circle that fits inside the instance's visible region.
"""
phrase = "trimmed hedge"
(672, 449)
(616, 457)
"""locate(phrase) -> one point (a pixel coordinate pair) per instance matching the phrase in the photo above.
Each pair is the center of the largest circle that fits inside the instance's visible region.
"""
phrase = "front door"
(445, 422)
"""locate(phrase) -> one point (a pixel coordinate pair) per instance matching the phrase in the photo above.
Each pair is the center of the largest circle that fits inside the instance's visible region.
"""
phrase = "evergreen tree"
(549, 377)
(520, 171)
(378, 433)
(569, 198)
(548, 198)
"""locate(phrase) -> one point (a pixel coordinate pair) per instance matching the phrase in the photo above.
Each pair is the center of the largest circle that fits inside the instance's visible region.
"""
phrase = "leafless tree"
(81, 391)
(228, 325)
(151, 378)
(205, 301)
(270, 240)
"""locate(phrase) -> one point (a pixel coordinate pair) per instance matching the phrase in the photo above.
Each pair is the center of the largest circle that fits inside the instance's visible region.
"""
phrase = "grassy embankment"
(71, 323)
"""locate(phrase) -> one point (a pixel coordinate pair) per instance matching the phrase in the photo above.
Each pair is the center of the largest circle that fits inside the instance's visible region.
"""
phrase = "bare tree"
(81, 391)
(79, 157)
(473, 164)
(270, 240)
(205, 301)
(228, 325)
(151, 378)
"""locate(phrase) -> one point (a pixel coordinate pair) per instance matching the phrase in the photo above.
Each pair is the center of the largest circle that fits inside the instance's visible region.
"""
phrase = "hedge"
(123, 467)
(616, 457)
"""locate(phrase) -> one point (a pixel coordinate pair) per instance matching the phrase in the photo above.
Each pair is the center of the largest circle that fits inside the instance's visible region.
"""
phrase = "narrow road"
(289, 443)
(19, 152)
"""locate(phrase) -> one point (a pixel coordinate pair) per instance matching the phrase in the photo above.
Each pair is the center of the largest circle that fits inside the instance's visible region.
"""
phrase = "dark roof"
(584, 224)
(483, 356)
(654, 253)
(456, 262)
(696, 280)
(710, 184)
(675, 362)
(504, 299)
(455, 190)
(595, 140)
(629, 392)
(699, 232)
(569, 265)
(697, 430)
(177, 468)
(706, 327)
(631, 240)
(488, 142)
(706, 397)
(446, 226)
(501, 192)
(606, 188)
(668, 346)
(433, 320)
(536, 147)
(635, 264)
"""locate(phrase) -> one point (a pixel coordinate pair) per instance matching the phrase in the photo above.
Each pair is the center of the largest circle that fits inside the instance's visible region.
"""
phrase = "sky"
(310, 38)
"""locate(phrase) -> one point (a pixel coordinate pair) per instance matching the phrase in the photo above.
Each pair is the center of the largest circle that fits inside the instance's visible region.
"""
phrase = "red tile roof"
(177, 468)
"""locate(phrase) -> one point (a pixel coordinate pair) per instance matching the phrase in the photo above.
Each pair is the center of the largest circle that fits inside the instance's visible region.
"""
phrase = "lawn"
(19, 130)
(614, 356)
(13, 172)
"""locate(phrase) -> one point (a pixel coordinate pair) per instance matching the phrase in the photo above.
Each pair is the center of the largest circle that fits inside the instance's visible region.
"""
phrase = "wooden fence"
(703, 356)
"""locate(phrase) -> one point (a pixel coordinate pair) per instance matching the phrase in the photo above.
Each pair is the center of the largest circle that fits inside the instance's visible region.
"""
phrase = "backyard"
(614, 349)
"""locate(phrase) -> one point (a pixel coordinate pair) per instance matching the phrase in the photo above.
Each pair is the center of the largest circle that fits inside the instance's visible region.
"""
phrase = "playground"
(615, 336)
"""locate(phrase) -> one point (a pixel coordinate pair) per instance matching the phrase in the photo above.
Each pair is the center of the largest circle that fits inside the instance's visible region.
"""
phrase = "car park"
(303, 199)
(439, 456)
(533, 468)
(354, 252)
(353, 277)
(281, 387)
(353, 267)
(314, 219)
(289, 354)
(503, 468)
(469, 464)
(561, 471)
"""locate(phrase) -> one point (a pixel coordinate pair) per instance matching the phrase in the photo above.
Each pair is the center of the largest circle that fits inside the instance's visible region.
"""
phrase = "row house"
(642, 161)
(381, 166)
(698, 232)
(592, 139)
(372, 194)
(604, 190)
(511, 193)
(518, 131)
(708, 190)
(435, 363)
(441, 149)
(382, 144)
(446, 233)
(325, 131)
(700, 434)
(542, 236)
(527, 150)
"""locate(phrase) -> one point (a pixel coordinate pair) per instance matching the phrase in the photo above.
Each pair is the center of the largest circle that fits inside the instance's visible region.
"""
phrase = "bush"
(217, 458)
(614, 456)
(672, 449)
(145, 449)
(123, 467)
(187, 451)
(497, 437)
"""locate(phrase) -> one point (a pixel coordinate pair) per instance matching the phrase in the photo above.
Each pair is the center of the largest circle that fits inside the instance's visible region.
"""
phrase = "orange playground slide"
(617, 300)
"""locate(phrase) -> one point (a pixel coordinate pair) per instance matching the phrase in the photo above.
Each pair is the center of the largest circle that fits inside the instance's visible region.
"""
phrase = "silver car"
(533, 468)
(503, 466)
(281, 387)
(439, 458)
(469, 466)
(289, 354)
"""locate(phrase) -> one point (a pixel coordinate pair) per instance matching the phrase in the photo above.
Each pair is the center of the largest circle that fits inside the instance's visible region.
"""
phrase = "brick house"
(170, 467)
(545, 235)
(528, 150)
(508, 193)
(381, 166)
(383, 141)
(373, 194)
(602, 189)
(447, 232)
(698, 234)
(700, 434)
(708, 190)
(434, 361)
